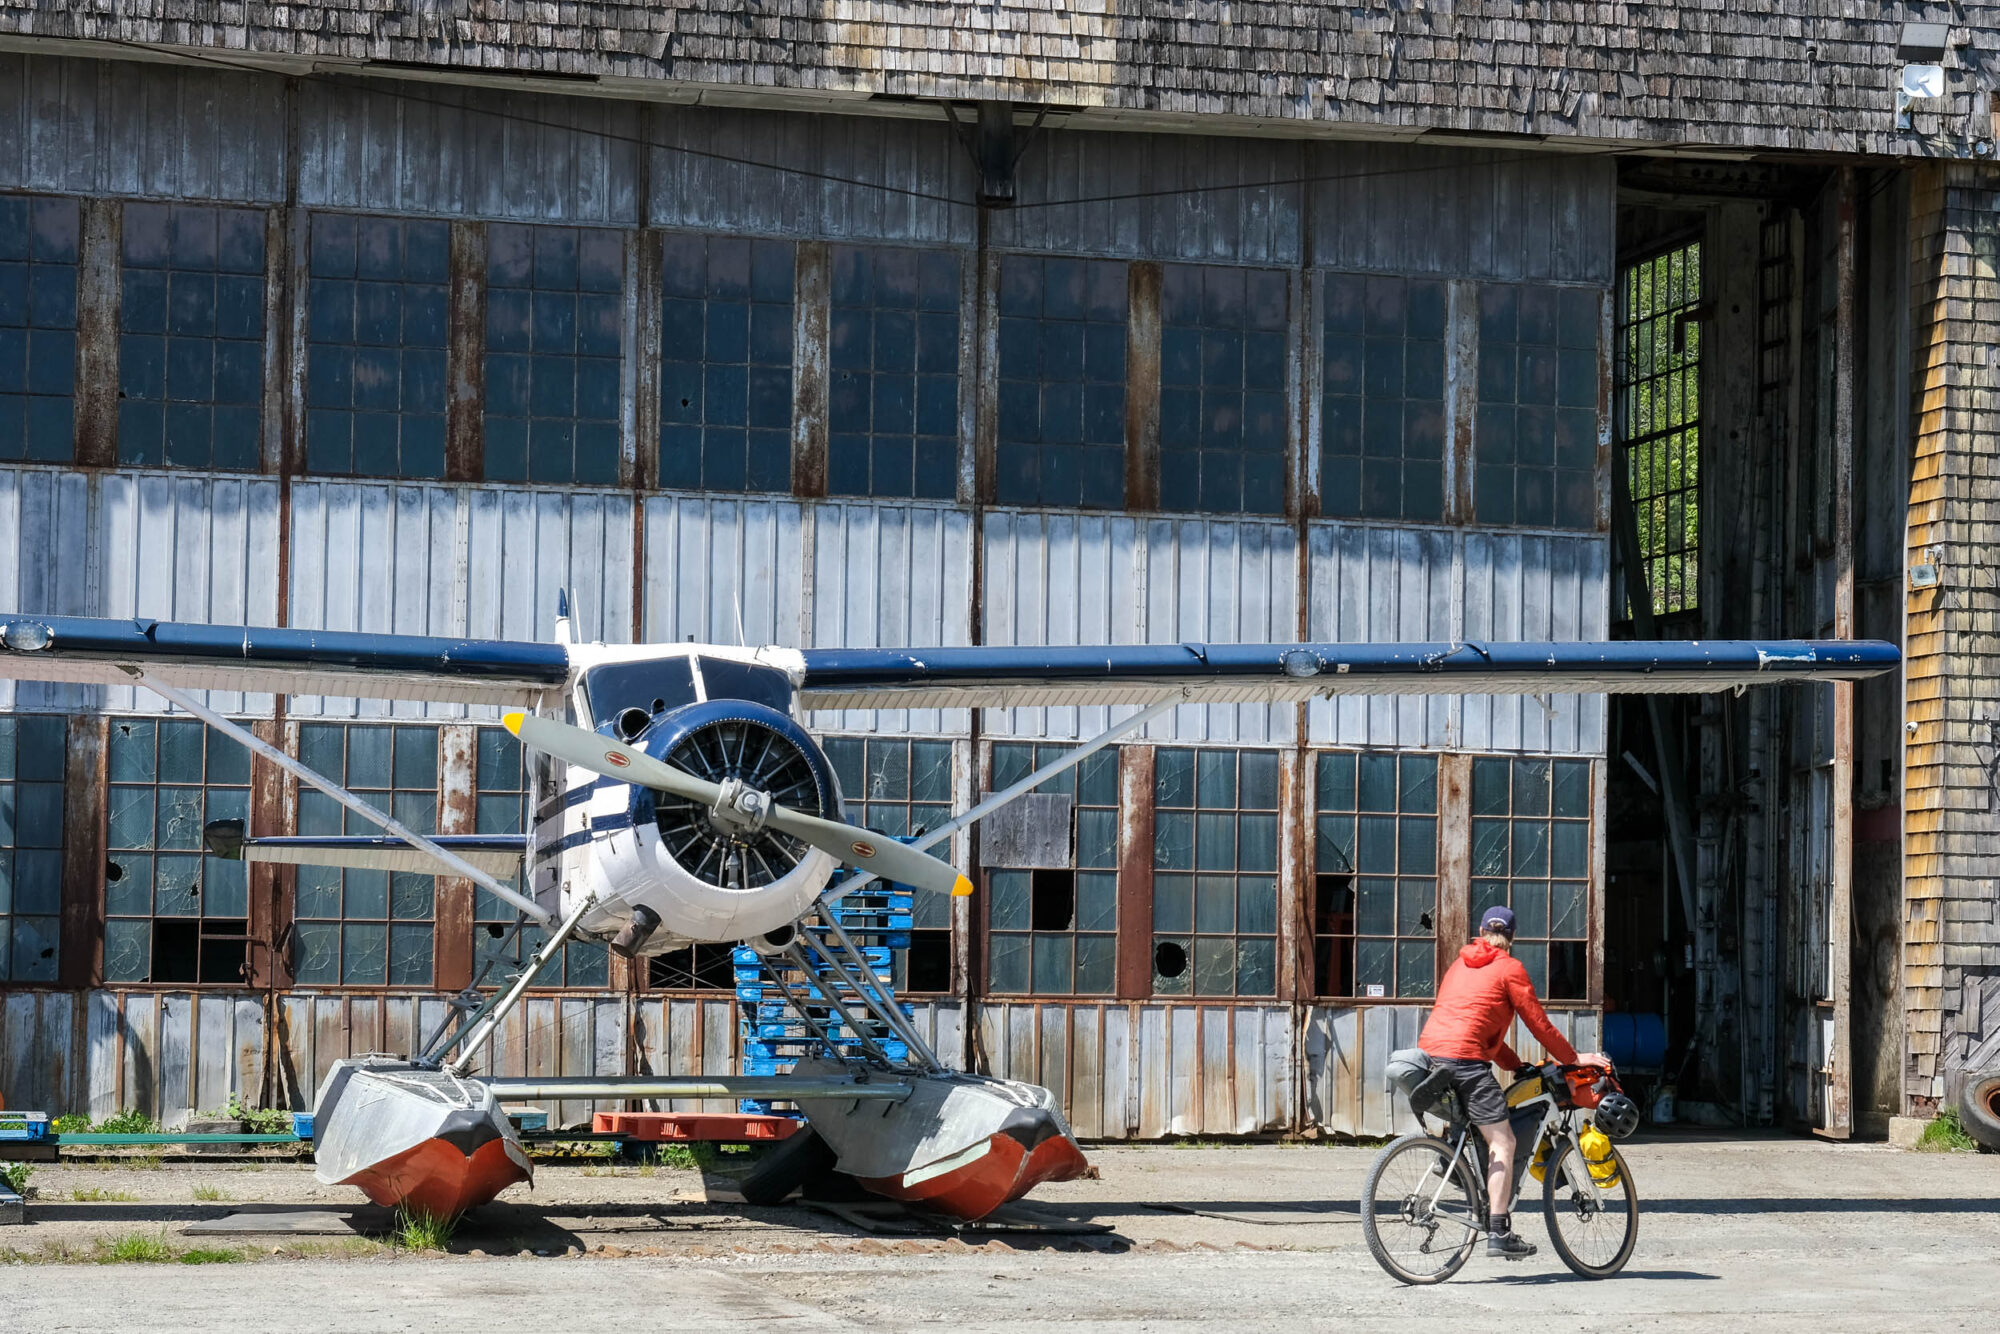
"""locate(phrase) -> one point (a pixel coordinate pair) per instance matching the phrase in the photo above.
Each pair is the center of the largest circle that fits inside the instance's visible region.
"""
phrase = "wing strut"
(453, 864)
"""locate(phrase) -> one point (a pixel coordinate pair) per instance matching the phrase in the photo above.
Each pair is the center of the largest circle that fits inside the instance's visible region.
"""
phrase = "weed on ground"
(96, 1195)
(1946, 1135)
(207, 1193)
(136, 1248)
(210, 1255)
(416, 1230)
(16, 1176)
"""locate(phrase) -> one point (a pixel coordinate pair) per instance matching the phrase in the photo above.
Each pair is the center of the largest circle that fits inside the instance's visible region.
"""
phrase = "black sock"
(1502, 1224)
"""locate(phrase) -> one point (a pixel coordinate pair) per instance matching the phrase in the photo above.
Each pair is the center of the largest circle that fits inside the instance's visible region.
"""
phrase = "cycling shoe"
(1508, 1246)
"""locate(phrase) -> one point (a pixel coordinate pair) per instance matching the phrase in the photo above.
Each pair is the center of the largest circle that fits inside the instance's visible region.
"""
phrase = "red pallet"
(660, 1127)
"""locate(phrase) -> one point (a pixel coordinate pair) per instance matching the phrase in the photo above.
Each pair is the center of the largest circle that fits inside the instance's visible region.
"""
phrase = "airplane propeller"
(738, 807)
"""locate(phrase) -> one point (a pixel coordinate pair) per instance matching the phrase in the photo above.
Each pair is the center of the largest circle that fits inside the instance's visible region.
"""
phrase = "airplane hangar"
(1028, 333)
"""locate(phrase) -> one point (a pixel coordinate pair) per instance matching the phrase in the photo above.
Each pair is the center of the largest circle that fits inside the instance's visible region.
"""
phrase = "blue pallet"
(302, 1124)
(779, 1010)
(772, 1051)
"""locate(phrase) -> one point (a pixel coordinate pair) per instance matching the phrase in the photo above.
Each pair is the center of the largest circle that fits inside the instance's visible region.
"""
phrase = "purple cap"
(1498, 918)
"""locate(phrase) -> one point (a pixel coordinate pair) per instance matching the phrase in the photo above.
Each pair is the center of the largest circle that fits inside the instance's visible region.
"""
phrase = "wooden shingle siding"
(1798, 74)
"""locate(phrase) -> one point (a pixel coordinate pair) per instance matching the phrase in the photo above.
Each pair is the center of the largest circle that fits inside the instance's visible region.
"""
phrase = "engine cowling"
(668, 857)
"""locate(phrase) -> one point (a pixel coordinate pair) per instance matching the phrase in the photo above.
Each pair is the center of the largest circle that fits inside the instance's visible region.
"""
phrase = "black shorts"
(1477, 1089)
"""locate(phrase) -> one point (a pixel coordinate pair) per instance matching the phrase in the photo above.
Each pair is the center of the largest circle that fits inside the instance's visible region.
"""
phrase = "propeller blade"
(878, 853)
(845, 843)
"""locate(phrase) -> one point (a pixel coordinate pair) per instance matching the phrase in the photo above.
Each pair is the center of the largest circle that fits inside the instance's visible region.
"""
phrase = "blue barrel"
(1636, 1041)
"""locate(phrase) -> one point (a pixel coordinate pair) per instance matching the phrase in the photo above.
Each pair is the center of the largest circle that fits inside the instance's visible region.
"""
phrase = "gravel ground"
(1771, 1233)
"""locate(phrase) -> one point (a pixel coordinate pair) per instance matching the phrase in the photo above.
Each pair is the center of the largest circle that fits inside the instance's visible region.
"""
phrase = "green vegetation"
(1658, 414)
(16, 1176)
(1946, 1135)
(93, 1195)
(206, 1192)
(129, 1122)
(136, 1248)
(419, 1231)
(210, 1255)
(70, 1123)
(260, 1120)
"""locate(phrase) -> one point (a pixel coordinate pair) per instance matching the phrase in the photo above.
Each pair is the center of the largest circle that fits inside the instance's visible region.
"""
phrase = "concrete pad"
(279, 1221)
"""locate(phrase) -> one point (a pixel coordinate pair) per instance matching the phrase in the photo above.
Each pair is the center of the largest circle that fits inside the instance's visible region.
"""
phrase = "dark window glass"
(1535, 429)
(902, 788)
(191, 336)
(38, 276)
(1062, 383)
(1382, 398)
(553, 315)
(726, 364)
(892, 414)
(1375, 875)
(1215, 872)
(375, 357)
(366, 928)
(32, 754)
(172, 913)
(1222, 389)
(1054, 931)
(502, 944)
(1531, 851)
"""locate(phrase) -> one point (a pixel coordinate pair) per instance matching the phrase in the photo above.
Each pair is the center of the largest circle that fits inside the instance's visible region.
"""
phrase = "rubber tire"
(1549, 1206)
(800, 1159)
(1474, 1190)
(1979, 1109)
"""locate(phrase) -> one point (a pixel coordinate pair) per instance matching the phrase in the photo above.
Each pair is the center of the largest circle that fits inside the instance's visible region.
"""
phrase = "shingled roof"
(1815, 75)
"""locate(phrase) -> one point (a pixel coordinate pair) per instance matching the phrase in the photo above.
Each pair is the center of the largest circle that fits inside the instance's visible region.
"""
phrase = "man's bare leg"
(1501, 1240)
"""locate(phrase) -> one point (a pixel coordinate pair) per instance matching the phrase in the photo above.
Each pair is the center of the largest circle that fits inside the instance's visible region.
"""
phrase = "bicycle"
(1424, 1207)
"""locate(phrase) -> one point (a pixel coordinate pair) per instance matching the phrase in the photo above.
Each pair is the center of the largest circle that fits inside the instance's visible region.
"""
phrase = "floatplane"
(678, 797)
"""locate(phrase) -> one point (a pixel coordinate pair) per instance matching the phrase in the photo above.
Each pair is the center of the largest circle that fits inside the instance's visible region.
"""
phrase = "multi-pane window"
(902, 788)
(191, 344)
(1053, 930)
(1382, 406)
(1222, 389)
(1375, 884)
(552, 353)
(726, 364)
(366, 928)
(1215, 873)
(375, 362)
(1658, 401)
(499, 950)
(1535, 432)
(172, 913)
(38, 268)
(1531, 850)
(892, 414)
(31, 836)
(1062, 383)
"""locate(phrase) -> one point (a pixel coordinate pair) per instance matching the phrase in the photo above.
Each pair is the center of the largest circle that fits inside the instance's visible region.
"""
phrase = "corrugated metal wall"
(487, 560)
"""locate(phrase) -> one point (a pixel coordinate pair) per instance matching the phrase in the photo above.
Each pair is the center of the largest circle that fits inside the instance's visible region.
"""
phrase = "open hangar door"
(1753, 860)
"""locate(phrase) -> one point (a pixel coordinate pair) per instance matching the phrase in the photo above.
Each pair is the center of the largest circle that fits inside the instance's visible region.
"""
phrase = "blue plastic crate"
(24, 1126)
(768, 1065)
(302, 1124)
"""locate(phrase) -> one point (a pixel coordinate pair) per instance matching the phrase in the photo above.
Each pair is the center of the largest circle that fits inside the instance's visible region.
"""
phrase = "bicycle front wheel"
(1592, 1225)
(1419, 1210)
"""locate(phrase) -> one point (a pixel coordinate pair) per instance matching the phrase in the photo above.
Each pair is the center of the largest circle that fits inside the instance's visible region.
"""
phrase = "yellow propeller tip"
(962, 888)
(512, 722)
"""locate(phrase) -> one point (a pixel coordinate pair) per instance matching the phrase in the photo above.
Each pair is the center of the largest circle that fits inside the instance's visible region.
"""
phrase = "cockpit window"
(725, 678)
(650, 687)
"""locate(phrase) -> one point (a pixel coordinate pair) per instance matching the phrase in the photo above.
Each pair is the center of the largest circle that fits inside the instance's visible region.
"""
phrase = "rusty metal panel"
(717, 567)
(45, 541)
(455, 560)
(886, 575)
(468, 152)
(1245, 205)
(140, 128)
(929, 175)
(1488, 213)
(1030, 831)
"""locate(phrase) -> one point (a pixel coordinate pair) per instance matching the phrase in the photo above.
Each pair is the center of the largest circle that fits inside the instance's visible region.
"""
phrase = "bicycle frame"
(1533, 1119)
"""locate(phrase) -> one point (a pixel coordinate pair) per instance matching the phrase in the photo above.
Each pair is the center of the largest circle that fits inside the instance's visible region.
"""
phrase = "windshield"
(724, 678)
(650, 687)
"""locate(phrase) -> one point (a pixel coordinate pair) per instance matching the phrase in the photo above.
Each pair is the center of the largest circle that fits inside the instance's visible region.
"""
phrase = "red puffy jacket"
(1477, 1000)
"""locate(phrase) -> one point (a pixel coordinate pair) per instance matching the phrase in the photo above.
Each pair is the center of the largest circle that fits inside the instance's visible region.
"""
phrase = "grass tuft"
(1946, 1135)
(210, 1255)
(416, 1230)
(96, 1195)
(204, 1191)
(136, 1248)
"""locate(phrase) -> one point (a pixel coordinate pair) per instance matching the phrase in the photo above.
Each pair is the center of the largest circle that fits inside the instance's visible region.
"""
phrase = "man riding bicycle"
(1480, 996)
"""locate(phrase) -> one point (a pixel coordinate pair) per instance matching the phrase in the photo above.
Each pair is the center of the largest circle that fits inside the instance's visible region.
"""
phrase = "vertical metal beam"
(97, 304)
(639, 454)
(1454, 911)
(1142, 386)
(465, 356)
(1135, 875)
(1461, 396)
(273, 811)
(812, 331)
(458, 759)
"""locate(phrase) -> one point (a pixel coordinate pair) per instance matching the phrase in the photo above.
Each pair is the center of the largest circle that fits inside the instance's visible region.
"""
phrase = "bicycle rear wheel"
(1592, 1226)
(1419, 1210)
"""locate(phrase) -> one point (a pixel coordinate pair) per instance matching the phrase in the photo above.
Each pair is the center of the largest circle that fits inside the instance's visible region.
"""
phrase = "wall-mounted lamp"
(1921, 83)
